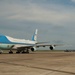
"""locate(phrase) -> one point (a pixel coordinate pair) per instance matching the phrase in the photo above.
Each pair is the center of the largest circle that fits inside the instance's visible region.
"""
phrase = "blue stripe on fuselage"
(3, 39)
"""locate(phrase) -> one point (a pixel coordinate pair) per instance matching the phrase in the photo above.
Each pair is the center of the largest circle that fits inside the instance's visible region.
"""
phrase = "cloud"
(55, 14)
(73, 0)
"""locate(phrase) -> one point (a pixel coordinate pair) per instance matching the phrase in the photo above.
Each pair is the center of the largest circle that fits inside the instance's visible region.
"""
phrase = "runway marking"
(38, 67)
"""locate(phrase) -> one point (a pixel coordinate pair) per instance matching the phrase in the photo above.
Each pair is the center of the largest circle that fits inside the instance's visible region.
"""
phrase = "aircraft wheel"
(0, 52)
(17, 52)
(27, 52)
(23, 52)
(10, 52)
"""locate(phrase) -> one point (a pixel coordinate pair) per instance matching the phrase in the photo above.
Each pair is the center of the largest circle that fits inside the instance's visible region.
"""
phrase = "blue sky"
(54, 19)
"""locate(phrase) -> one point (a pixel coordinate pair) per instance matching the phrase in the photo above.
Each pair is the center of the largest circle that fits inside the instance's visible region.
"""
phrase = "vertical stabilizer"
(34, 37)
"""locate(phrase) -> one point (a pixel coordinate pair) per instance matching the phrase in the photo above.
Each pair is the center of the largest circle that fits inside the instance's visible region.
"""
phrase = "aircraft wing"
(36, 46)
(44, 45)
(50, 45)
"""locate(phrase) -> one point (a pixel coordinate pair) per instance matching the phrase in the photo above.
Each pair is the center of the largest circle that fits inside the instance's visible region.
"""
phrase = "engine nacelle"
(33, 49)
(52, 47)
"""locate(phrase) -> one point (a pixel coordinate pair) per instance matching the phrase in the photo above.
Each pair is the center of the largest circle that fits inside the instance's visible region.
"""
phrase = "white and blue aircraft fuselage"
(21, 45)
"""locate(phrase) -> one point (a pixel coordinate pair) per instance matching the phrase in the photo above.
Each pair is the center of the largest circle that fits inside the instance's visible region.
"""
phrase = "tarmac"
(38, 63)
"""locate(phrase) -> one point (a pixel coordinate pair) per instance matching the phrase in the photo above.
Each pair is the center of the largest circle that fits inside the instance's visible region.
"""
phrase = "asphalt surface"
(38, 63)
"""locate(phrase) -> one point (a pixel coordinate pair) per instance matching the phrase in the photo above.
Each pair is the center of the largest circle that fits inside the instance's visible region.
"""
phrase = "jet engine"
(33, 49)
(52, 47)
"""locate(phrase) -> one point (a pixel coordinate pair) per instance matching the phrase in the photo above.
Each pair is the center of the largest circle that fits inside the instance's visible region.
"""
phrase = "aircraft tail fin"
(34, 37)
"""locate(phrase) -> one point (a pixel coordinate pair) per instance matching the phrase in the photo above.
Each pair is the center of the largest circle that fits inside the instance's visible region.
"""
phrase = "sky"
(54, 19)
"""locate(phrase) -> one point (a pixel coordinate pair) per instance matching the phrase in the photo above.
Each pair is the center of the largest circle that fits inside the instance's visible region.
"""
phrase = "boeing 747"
(21, 45)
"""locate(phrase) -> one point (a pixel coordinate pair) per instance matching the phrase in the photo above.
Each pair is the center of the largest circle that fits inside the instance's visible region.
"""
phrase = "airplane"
(21, 45)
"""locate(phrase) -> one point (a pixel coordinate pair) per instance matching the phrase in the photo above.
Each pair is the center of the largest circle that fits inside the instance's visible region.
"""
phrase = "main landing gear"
(25, 51)
(10, 52)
